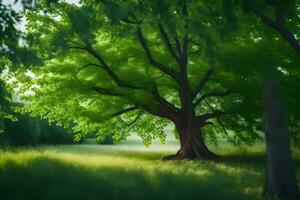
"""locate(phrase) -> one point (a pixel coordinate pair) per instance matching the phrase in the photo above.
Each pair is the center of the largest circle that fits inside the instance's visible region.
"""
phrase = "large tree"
(123, 67)
(132, 64)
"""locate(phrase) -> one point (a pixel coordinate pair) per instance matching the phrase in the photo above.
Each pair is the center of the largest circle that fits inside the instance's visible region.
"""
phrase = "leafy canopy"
(108, 66)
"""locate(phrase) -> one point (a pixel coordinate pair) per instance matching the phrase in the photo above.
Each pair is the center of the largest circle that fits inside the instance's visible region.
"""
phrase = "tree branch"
(106, 91)
(90, 50)
(186, 39)
(166, 109)
(77, 47)
(131, 124)
(85, 66)
(212, 94)
(126, 110)
(106, 67)
(178, 45)
(150, 58)
(167, 42)
(280, 28)
(214, 114)
(133, 21)
(217, 116)
(163, 101)
(203, 81)
(195, 52)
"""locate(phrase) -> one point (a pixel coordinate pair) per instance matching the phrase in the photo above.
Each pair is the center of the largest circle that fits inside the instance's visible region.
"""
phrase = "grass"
(128, 171)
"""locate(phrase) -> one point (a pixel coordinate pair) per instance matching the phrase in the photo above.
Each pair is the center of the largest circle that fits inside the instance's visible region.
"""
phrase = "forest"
(149, 99)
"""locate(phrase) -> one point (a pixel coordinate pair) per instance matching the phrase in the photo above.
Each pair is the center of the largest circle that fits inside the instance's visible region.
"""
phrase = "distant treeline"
(32, 131)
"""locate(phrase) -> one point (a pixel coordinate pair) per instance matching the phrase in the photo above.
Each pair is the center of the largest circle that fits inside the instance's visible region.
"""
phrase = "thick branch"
(150, 58)
(184, 56)
(166, 109)
(106, 67)
(90, 50)
(186, 39)
(163, 101)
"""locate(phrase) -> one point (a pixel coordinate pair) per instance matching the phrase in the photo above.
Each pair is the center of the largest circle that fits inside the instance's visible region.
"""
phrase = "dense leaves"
(98, 76)
(33, 131)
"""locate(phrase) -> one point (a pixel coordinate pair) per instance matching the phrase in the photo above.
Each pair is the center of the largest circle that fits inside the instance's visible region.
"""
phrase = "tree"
(126, 67)
(133, 64)
(33, 131)
(282, 17)
(14, 50)
(8, 42)
(280, 177)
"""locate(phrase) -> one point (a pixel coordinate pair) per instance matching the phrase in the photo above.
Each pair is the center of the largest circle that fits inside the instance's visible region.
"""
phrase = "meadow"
(130, 171)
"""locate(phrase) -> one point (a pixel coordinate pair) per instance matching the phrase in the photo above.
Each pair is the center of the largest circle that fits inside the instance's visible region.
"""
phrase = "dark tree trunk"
(280, 177)
(192, 145)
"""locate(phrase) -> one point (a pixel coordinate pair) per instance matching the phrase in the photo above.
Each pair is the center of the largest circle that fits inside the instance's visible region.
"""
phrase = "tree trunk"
(192, 145)
(280, 177)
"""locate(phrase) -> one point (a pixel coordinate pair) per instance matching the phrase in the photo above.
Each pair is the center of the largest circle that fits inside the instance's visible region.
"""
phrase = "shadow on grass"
(244, 158)
(255, 161)
(238, 159)
(46, 178)
(96, 150)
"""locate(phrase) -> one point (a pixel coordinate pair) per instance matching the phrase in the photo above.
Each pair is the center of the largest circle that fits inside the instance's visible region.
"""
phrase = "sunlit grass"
(127, 171)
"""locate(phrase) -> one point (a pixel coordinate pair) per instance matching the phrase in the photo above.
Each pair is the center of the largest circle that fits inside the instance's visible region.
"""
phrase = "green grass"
(128, 171)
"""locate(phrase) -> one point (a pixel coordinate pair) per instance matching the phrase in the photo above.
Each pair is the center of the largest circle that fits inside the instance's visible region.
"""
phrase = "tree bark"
(280, 177)
(192, 144)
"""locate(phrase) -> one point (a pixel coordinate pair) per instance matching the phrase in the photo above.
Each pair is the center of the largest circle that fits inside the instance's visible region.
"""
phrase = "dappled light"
(116, 174)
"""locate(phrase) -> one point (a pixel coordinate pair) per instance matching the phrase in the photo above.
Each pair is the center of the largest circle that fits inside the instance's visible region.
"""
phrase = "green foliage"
(78, 43)
(5, 112)
(32, 131)
(105, 140)
(12, 41)
(8, 32)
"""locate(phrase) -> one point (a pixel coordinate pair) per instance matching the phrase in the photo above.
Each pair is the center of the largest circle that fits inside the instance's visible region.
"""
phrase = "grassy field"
(129, 171)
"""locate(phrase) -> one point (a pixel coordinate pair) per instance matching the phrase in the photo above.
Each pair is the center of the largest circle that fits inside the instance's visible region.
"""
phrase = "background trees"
(33, 131)
(15, 54)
